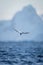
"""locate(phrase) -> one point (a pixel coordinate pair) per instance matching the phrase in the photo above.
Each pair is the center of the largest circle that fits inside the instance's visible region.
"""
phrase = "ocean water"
(21, 53)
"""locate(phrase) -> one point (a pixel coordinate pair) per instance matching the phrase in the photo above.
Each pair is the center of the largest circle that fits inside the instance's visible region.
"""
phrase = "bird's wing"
(16, 30)
(25, 32)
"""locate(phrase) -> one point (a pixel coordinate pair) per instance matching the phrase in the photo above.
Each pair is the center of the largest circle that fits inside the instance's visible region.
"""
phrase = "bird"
(21, 33)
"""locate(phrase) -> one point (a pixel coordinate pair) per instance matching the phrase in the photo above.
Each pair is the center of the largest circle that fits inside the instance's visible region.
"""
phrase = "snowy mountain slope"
(25, 20)
(28, 20)
(4, 24)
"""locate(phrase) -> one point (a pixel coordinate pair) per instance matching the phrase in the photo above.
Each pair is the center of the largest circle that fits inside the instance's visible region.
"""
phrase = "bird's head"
(20, 33)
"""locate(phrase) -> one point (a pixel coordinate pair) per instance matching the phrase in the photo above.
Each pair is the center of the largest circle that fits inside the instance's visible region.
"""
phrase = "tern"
(21, 33)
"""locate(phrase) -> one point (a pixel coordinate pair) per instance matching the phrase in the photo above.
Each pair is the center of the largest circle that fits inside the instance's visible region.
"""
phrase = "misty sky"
(8, 8)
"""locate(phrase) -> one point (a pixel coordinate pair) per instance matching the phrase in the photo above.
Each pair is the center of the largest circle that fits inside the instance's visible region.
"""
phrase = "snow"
(25, 20)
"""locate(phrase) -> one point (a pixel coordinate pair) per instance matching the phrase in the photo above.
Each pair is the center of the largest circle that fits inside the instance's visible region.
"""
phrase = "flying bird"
(21, 32)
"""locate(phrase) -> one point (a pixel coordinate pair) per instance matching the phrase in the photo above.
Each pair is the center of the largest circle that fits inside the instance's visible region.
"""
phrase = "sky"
(8, 8)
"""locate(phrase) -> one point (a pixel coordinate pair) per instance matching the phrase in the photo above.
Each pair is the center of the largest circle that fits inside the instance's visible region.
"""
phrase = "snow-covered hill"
(25, 20)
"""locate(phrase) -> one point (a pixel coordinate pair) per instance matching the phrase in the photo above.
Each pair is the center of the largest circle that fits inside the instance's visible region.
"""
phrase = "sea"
(21, 53)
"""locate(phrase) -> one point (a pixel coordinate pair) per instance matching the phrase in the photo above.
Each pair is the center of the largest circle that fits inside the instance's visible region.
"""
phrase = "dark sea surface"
(21, 53)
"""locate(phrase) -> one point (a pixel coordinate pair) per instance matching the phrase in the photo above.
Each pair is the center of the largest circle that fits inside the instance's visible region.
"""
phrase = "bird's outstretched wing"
(16, 30)
(24, 33)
